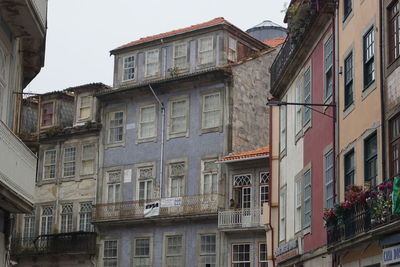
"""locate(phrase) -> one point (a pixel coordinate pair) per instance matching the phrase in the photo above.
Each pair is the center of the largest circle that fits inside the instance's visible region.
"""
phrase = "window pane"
(147, 121)
(129, 68)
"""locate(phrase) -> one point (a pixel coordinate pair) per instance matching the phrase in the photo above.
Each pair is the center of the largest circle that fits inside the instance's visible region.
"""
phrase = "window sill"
(348, 110)
(298, 136)
(282, 154)
(307, 126)
(114, 145)
(347, 19)
(210, 130)
(307, 230)
(146, 140)
(177, 135)
(206, 65)
(328, 101)
(46, 181)
(369, 89)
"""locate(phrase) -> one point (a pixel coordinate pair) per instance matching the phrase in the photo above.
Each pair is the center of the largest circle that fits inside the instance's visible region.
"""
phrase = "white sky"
(81, 33)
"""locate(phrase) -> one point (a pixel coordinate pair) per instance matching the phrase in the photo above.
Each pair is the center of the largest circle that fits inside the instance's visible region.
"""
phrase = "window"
(232, 50)
(29, 229)
(264, 187)
(152, 63)
(329, 198)
(394, 146)
(349, 169)
(394, 30)
(208, 251)
(88, 157)
(110, 254)
(347, 8)
(206, 50)
(307, 95)
(69, 161)
(298, 108)
(210, 177)
(145, 182)
(282, 141)
(369, 68)
(174, 251)
(142, 252)
(129, 68)
(85, 107)
(307, 199)
(262, 255)
(147, 121)
(85, 217)
(47, 114)
(328, 67)
(114, 186)
(66, 218)
(179, 111)
(370, 158)
(176, 179)
(282, 214)
(242, 190)
(116, 120)
(181, 56)
(298, 204)
(348, 81)
(46, 220)
(49, 164)
(241, 255)
(212, 111)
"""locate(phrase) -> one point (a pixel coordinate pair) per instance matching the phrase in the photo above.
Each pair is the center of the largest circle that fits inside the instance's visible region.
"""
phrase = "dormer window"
(206, 50)
(152, 63)
(129, 68)
(180, 56)
(85, 107)
(47, 114)
(232, 54)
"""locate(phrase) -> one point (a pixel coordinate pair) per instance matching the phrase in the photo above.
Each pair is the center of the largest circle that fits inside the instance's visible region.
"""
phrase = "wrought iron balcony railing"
(186, 205)
(240, 218)
(65, 243)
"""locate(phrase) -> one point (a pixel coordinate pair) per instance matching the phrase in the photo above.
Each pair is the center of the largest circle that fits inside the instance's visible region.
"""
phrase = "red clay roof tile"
(263, 151)
(274, 42)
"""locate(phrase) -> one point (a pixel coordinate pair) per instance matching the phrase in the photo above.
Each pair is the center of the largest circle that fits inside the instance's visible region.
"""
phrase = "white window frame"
(264, 262)
(69, 161)
(182, 177)
(49, 221)
(307, 213)
(203, 111)
(85, 217)
(201, 51)
(113, 257)
(182, 251)
(328, 67)
(141, 122)
(175, 57)
(207, 254)
(127, 67)
(283, 128)
(204, 173)
(49, 164)
(282, 214)
(156, 64)
(114, 184)
(242, 261)
(66, 225)
(307, 98)
(29, 228)
(86, 106)
(92, 158)
(172, 117)
(298, 201)
(232, 49)
(137, 258)
(122, 126)
(298, 108)
(263, 186)
(328, 183)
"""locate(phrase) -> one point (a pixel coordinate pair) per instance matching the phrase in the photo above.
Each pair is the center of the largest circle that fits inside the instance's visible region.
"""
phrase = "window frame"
(139, 110)
(80, 107)
(156, 64)
(109, 128)
(328, 68)
(282, 214)
(199, 51)
(232, 49)
(66, 225)
(49, 220)
(171, 101)
(182, 190)
(86, 216)
(394, 141)
(83, 159)
(349, 170)
(367, 61)
(307, 98)
(282, 128)
(127, 69)
(329, 168)
(393, 31)
(118, 181)
(134, 246)
(28, 229)
(260, 261)
(370, 158)
(347, 9)
(64, 162)
(233, 262)
(307, 223)
(298, 203)
(165, 247)
(184, 67)
(53, 105)
(264, 185)
(212, 128)
(348, 81)
(209, 172)
(49, 165)
(116, 257)
(201, 254)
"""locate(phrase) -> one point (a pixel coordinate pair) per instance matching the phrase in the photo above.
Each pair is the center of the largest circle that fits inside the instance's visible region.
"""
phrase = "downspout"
(270, 184)
(162, 138)
(382, 91)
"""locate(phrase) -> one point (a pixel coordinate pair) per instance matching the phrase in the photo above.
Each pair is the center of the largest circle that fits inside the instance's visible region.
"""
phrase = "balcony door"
(242, 191)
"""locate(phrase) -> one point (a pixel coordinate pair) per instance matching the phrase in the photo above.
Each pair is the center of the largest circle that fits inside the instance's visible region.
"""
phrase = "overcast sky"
(81, 33)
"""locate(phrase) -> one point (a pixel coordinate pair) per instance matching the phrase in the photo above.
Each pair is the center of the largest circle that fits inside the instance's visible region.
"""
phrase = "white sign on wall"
(391, 255)
(171, 202)
(152, 209)
(127, 176)
(130, 126)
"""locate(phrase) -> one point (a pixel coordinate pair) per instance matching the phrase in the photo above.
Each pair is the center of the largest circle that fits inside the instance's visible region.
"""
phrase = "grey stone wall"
(250, 91)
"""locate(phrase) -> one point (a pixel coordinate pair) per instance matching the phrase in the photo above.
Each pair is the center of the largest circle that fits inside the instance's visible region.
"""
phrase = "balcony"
(240, 219)
(304, 27)
(195, 205)
(365, 219)
(17, 173)
(65, 243)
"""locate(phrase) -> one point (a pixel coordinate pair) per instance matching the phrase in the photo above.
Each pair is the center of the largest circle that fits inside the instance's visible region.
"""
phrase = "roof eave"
(243, 159)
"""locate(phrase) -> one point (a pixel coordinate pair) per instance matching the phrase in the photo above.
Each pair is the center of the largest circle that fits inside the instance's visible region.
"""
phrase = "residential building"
(59, 231)
(23, 27)
(302, 143)
(181, 101)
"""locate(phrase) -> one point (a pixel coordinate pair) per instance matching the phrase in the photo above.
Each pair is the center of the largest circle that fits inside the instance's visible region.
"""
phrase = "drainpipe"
(162, 138)
(270, 184)
(382, 91)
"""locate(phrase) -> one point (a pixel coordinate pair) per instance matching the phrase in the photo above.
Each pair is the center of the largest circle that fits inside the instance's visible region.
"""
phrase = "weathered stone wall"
(250, 91)
(392, 104)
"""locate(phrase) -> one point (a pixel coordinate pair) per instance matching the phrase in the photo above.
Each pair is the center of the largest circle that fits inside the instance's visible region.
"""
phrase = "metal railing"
(65, 243)
(188, 205)
(240, 218)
